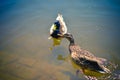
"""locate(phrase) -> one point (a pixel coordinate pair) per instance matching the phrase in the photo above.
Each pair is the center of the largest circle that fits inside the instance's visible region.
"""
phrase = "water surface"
(24, 31)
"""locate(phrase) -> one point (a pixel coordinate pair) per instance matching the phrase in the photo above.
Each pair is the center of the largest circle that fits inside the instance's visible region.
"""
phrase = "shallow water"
(24, 32)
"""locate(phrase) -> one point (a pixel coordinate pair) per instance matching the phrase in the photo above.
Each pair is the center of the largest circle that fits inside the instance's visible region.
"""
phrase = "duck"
(84, 58)
(58, 28)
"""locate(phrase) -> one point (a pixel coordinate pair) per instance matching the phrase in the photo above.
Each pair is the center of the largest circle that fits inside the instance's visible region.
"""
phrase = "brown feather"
(84, 58)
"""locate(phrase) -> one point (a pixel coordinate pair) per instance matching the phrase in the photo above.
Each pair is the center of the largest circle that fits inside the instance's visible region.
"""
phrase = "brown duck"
(85, 59)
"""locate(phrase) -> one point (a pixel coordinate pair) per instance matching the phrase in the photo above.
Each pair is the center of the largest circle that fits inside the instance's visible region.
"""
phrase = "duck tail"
(62, 23)
(59, 17)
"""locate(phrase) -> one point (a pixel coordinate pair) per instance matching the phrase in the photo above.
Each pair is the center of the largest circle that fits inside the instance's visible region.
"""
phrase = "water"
(24, 29)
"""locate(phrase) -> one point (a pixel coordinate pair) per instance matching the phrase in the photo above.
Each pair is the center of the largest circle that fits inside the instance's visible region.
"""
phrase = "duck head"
(69, 37)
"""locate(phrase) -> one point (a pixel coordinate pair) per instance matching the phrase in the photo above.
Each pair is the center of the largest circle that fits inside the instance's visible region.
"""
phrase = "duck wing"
(92, 65)
(86, 59)
(88, 64)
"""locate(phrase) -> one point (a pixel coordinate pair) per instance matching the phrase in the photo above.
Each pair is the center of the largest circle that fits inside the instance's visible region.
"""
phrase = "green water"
(24, 30)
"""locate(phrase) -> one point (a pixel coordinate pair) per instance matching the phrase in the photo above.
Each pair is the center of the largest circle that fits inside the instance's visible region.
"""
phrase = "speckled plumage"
(84, 58)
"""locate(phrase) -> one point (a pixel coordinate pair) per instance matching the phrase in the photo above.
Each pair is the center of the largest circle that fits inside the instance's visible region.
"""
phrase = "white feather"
(51, 29)
(62, 25)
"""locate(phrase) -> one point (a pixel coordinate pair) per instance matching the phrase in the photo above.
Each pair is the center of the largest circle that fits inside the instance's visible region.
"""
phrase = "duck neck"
(72, 42)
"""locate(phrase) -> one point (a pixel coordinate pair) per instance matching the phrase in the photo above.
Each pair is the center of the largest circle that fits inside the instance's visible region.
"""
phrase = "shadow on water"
(98, 76)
